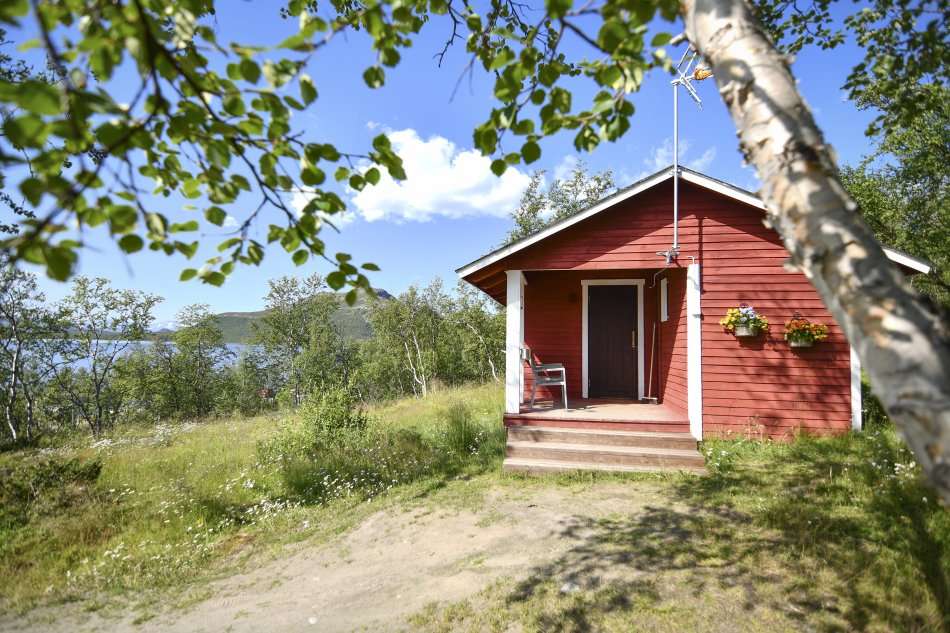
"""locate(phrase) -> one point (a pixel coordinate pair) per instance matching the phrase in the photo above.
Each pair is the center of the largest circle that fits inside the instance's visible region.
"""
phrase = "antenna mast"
(685, 79)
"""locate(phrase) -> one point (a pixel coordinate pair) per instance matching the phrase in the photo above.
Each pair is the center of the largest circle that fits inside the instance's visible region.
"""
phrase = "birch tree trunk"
(899, 336)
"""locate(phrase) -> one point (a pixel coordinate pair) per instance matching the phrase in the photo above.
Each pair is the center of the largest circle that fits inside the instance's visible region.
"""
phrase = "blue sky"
(452, 209)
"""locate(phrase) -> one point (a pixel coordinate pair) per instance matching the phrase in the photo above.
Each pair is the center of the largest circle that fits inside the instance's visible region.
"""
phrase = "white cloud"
(300, 199)
(442, 180)
(229, 221)
(662, 156)
(566, 167)
(704, 161)
(372, 125)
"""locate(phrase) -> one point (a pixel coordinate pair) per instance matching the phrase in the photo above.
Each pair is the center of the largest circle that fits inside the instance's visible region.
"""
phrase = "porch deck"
(598, 413)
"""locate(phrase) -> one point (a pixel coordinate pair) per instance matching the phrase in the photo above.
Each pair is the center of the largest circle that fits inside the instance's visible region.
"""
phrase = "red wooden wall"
(759, 387)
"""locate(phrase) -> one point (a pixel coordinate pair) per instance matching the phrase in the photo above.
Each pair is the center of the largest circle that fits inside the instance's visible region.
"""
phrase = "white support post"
(856, 401)
(694, 354)
(514, 342)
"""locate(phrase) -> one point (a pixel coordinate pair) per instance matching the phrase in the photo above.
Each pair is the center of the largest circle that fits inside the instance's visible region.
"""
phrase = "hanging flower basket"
(745, 330)
(743, 322)
(800, 332)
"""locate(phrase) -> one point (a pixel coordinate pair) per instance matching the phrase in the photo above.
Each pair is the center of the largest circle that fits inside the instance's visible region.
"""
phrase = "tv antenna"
(685, 75)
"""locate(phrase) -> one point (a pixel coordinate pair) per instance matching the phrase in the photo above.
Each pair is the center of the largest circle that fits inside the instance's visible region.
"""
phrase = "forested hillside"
(91, 361)
(350, 321)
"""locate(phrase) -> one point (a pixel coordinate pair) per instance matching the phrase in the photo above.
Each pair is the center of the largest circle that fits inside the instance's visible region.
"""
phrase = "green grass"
(176, 505)
(825, 533)
(822, 534)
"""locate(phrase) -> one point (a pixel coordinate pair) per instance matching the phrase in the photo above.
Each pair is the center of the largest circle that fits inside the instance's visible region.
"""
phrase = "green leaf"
(214, 278)
(660, 39)
(216, 215)
(122, 218)
(372, 176)
(312, 176)
(188, 273)
(59, 262)
(28, 130)
(184, 227)
(233, 104)
(300, 257)
(530, 152)
(131, 243)
(336, 280)
(12, 9)
(503, 58)
(374, 77)
(308, 92)
(370, 266)
(557, 9)
(38, 97)
(498, 166)
(250, 71)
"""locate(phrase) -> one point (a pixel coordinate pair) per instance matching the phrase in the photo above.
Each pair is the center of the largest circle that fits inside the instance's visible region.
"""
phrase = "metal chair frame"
(546, 375)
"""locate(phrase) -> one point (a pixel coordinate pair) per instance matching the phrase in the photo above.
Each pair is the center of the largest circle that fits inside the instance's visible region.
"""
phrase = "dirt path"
(392, 565)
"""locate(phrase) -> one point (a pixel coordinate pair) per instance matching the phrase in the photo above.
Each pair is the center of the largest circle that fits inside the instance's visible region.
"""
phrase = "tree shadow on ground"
(794, 540)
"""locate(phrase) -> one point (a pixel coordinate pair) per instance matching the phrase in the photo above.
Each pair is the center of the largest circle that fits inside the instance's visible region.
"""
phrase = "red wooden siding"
(762, 386)
(672, 344)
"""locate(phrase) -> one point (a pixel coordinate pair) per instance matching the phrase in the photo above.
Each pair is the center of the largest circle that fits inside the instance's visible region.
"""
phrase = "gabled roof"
(730, 191)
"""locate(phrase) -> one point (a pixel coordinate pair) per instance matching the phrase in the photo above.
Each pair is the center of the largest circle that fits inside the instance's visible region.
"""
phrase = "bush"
(328, 420)
(44, 488)
(872, 411)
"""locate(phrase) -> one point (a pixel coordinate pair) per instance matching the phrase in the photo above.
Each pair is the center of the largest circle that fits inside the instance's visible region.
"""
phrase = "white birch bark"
(903, 344)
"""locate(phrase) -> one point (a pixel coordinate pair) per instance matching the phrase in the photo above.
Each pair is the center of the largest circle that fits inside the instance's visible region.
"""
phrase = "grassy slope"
(831, 533)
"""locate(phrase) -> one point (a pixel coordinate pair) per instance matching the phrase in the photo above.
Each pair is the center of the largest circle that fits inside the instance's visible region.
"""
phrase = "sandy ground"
(390, 566)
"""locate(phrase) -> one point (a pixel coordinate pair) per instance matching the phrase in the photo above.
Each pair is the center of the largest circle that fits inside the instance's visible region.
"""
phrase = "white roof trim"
(620, 196)
(907, 260)
(688, 175)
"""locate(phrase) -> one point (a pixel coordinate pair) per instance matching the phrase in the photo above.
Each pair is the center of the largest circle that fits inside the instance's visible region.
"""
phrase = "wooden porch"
(600, 413)
(600, 434)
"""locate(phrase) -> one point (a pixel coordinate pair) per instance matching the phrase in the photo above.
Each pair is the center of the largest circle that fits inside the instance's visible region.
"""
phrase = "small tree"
(103, 324)
(201, 353)
(27, 348)
(298, 313)
(562, 199)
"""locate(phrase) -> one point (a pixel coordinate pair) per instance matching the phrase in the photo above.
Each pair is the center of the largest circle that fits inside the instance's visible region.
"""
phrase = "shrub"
(325, 421)
(45, 487)
(872, 410)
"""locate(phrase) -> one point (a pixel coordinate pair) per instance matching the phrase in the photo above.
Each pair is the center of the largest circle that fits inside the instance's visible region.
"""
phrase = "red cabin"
(598, 293)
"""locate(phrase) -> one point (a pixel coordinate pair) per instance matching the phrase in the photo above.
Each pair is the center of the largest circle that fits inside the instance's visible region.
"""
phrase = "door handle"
(633, 339)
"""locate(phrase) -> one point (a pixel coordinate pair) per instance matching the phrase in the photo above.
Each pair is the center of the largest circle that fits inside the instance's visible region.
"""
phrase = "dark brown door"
(611, 341)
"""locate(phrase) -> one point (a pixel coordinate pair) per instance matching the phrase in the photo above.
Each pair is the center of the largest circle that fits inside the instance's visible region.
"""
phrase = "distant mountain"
(351, 321)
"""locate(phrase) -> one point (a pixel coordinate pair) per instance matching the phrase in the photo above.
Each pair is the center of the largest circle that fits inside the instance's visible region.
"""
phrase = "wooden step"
(683, 441)
(514, 420)
(541, 467)
(606, 454)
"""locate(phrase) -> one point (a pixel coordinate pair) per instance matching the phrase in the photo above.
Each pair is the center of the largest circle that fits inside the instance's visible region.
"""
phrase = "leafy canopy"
(212, 123)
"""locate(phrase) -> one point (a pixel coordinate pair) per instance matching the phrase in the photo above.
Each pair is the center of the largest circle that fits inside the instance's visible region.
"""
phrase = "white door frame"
(585, 284)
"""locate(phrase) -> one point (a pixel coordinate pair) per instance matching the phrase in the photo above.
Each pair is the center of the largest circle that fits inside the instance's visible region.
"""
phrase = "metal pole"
(676, 169)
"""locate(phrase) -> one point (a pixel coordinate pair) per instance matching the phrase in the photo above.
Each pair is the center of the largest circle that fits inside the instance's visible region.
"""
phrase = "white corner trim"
(694, 351)
(514, 342)
(856, 401)
(585, 284)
